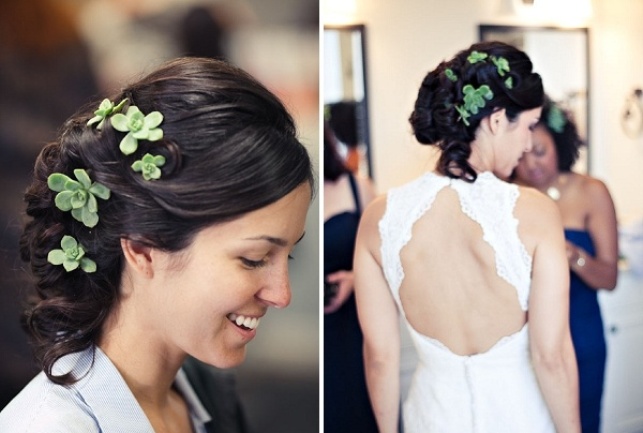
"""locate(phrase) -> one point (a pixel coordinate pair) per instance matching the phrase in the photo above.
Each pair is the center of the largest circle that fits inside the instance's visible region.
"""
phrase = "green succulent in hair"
(556, 119)
(149, 166)
(476, 56)
(78, 196)
(71, 256)
(138, 127)
(502, 65)
(464, 114)
(105, 109)
(475, 98)
(450, 74)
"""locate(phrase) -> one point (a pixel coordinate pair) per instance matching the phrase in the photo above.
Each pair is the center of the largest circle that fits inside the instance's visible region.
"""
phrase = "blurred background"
(377, 53)
(56, 55)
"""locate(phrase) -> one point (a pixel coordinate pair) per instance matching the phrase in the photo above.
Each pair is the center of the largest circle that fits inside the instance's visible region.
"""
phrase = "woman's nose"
(276, 293)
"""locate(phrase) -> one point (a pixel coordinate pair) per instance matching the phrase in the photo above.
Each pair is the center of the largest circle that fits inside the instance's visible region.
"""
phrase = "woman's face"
(539, 167)
(516, 140)
(210, 297)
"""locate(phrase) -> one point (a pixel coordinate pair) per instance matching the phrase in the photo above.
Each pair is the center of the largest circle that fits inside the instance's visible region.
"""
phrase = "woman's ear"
(496, 119)
(138, 257)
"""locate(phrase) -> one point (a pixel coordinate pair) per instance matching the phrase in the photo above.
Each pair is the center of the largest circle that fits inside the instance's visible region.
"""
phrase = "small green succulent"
(78, 196)
(556, 119)
(149, 166)
(105, 109)
(138, 127)
(475, 98)
(71, 256)
(450, 74)
(464, 114)
(476, 56)
(502, 65)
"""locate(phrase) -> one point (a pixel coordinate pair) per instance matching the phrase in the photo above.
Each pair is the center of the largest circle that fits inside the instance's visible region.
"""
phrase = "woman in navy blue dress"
(346, 404)
(592, 244)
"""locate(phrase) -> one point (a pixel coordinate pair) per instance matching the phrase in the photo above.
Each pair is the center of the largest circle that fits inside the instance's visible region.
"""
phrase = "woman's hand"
(344, 281)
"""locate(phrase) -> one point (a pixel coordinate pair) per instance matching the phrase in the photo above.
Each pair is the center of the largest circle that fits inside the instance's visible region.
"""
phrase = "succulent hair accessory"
(78, 196)
(476, 56)
(149, 166)
(105, 109)
(474, 99)
(502, 65)
(138, 127)
(71, 256)
(450, 74)
(556, 119)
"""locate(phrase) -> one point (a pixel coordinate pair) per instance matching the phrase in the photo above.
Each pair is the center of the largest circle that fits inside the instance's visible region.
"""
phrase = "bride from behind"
(475, 266)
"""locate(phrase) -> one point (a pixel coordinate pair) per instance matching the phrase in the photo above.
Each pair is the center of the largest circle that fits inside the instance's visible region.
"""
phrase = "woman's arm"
(345, 279)
(551, 347)
(599, 272)
(378, 318)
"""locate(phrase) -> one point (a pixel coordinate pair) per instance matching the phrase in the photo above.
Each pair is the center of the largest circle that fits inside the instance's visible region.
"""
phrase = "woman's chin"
(231, 359)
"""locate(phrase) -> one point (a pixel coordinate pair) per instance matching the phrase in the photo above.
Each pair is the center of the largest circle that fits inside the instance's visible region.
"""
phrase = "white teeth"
(247, 322)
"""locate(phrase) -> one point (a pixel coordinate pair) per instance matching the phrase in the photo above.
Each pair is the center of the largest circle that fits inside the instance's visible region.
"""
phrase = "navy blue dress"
(588, 336)
(346, 404)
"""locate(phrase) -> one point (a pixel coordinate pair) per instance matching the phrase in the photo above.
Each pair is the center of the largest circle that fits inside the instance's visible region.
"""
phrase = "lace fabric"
(488, 201)
(451, 393)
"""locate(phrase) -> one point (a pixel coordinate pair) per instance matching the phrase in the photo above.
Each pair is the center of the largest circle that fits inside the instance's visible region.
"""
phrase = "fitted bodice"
(492, 391)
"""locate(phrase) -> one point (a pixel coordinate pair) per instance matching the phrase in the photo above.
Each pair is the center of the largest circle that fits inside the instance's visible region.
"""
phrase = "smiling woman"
(204, 190)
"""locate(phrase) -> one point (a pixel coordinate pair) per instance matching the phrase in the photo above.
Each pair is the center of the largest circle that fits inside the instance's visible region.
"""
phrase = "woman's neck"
(555, 187)
(148, 368)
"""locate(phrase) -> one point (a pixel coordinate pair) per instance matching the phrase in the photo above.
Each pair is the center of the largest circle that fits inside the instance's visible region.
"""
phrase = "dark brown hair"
(567, 141)
(435, 120)
(231, 148)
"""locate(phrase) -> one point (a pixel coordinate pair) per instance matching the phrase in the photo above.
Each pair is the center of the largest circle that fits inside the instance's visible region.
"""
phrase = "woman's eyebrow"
(273, 240)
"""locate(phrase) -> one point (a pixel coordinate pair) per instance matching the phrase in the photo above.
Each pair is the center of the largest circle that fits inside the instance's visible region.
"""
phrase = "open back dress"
(493, 391)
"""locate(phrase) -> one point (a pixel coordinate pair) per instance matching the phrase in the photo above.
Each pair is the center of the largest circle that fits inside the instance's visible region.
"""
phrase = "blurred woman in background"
(590, 225)
(346, 404)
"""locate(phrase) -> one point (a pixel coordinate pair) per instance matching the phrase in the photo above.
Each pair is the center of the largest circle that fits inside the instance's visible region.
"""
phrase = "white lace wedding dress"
(495, 391)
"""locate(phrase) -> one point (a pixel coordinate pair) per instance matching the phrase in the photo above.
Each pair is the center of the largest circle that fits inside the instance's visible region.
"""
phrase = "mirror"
(345, 93)
(561, 57)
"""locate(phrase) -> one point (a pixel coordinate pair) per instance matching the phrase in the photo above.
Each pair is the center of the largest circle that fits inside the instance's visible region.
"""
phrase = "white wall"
(406, 39)
(616, 69)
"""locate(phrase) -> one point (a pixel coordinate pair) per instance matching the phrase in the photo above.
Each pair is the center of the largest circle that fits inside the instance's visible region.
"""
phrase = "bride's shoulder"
(375, 209)
(535, 209)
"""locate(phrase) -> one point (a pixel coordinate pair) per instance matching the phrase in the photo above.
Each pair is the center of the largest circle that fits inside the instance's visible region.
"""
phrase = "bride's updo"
(215, 144)
(441, 117)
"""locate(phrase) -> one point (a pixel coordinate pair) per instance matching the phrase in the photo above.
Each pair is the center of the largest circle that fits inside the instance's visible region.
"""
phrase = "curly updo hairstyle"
(567, 141)
(230, 147)
(435, 120)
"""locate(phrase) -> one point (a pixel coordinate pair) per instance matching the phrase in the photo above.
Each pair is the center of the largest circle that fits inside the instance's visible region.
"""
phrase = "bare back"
(451, 291)
(453, 288)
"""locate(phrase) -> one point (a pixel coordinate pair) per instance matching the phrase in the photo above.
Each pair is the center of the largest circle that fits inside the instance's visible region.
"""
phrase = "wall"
(617, 68)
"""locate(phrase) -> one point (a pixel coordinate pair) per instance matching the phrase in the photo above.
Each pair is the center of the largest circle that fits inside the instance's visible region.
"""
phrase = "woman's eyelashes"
(265, 259)
(253, 264)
